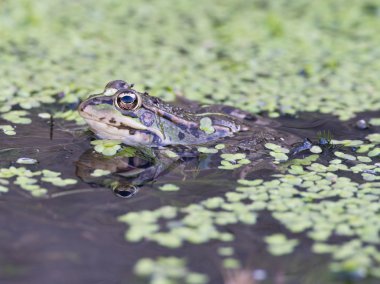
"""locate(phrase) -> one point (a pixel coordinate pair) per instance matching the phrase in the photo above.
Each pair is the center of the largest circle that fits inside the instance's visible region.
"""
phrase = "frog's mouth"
(107, 123)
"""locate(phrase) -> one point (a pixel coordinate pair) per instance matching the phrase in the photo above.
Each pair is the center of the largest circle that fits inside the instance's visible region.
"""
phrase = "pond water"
(200, 214)
(74, 233)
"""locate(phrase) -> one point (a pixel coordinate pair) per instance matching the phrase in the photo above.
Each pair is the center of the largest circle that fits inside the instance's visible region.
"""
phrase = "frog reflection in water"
(140, 120)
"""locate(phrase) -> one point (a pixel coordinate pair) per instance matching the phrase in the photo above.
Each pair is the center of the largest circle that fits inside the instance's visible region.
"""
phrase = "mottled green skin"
(155, 123)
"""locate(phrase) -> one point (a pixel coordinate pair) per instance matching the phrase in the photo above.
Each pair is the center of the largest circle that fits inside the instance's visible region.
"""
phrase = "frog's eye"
(127, 100)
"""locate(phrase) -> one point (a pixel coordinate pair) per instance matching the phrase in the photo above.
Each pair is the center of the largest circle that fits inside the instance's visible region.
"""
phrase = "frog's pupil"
(127, 99)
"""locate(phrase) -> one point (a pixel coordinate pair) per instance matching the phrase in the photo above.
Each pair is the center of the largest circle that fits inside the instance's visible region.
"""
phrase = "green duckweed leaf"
(26, 161)
(207, 150)
(17, 116)
(8, 130)
(169, 187)
(206, 125)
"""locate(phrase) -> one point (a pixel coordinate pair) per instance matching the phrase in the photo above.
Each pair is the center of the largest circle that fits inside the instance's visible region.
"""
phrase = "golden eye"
(127, 100)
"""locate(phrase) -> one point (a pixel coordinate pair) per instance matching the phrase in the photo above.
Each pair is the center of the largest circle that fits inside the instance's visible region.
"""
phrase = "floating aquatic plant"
(168, 270)
(8, 130)
(169, 187)
(31, 180)
(107, 147)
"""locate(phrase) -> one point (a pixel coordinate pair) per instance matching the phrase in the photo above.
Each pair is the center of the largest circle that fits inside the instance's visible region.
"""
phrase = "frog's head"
(135, 118)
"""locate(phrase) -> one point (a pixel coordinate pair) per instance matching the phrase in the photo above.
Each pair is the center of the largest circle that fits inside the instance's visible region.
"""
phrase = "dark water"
(73, 236)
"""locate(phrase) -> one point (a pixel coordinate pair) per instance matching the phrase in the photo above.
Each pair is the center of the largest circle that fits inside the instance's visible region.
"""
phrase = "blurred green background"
(275, 56)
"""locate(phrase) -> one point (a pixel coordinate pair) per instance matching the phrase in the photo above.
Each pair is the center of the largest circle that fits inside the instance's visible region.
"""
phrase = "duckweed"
(8, 130)
(17, 116)
(206, 150)
(282, 58)
(58, 181)
(169, 187)
(226, 251)
(206, 125)
(31, 181)
(27, 161)
(374, 153)
(107, 147)
(220, 146)
(278, 152)
(279, 244)
(3, 189)
(374, 138)
(347, 143)
(344, 156)
(70, 115)
(316, 149)
(233, 161)
(300, 198)
(375, 121)
(168, 270)
(231, 263)
(44, 115)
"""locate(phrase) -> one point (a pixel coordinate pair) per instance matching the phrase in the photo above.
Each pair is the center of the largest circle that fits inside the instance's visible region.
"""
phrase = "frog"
(142, 121)
(122, 113)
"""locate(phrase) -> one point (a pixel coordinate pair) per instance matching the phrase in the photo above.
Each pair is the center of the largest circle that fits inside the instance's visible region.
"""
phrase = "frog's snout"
(88, 106)
(85, 108)
(82, 106)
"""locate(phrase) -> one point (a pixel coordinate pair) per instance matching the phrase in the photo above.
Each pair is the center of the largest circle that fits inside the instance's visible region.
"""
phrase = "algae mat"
(280, 58)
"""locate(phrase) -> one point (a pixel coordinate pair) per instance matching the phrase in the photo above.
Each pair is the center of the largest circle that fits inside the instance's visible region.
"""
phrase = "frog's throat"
(126, 124)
